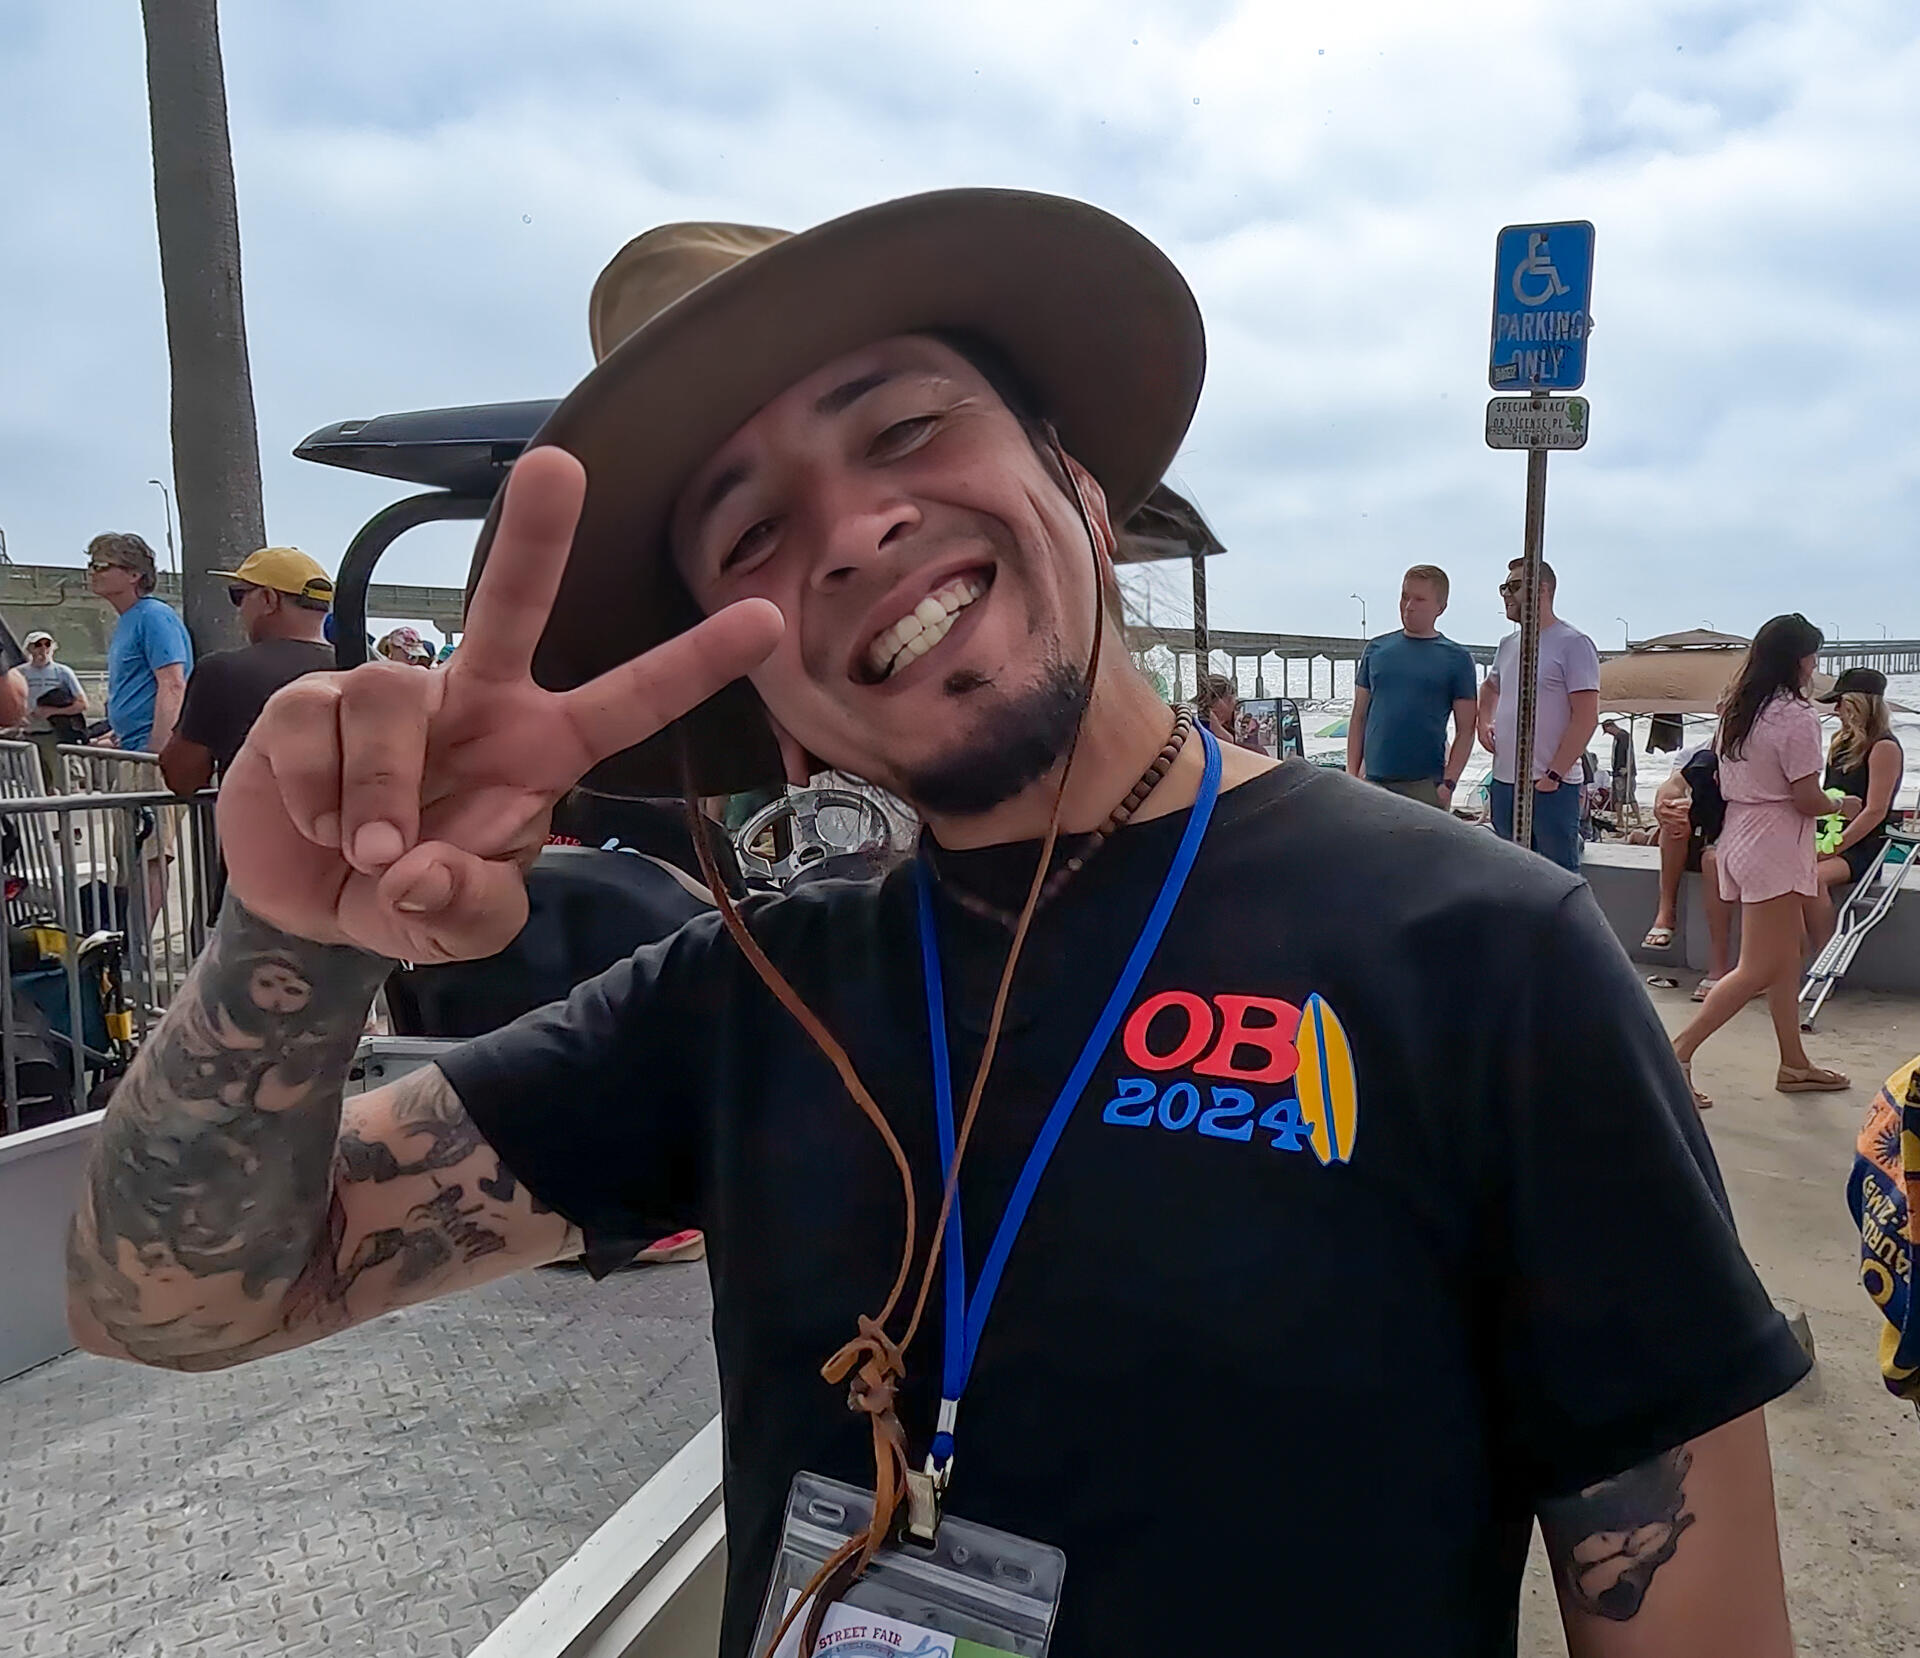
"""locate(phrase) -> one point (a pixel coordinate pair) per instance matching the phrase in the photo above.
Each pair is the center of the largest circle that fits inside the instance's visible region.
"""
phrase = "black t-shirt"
(1259, 1399)
(227, 690)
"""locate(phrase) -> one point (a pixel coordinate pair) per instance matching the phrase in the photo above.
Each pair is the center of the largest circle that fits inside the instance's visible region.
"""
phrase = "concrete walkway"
(1846, 1454)
(392, 1493)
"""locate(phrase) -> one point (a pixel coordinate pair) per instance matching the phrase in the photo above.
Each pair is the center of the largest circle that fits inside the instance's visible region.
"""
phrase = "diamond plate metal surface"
(393, 1491)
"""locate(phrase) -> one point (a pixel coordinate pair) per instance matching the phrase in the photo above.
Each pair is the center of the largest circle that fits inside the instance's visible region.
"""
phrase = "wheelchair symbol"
(1537, 264)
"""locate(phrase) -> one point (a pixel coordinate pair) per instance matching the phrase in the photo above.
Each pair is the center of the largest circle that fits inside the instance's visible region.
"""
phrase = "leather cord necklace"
(1056, 883)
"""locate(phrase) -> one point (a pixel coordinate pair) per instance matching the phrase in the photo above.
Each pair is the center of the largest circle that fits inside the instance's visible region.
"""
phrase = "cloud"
(428, 190)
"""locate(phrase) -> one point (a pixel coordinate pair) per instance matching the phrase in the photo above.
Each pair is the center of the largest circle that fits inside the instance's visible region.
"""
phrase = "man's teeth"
(923, 627)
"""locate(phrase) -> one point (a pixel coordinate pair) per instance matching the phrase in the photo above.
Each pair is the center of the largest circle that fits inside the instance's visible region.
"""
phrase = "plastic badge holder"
(974, 1593)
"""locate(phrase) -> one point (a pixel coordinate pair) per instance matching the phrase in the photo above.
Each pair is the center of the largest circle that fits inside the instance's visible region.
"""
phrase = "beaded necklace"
(1056, 882)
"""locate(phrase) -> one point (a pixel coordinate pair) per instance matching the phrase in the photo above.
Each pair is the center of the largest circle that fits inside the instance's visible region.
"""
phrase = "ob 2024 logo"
(1232, 1042)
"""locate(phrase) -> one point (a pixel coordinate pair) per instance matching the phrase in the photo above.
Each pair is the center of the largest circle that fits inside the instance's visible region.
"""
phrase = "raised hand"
(395, 808)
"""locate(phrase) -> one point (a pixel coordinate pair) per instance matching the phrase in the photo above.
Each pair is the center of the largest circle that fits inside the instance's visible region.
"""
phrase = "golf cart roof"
(467, 451)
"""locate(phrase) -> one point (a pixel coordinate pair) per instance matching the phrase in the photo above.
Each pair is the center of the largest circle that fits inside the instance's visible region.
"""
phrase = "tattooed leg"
(1607, 1542)
(215, 1158)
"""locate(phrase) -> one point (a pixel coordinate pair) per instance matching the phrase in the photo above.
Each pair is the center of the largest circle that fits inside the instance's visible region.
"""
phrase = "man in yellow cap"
(283, 598)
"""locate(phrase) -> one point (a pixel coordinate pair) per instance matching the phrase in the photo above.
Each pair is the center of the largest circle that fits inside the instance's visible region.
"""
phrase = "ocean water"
(1652, 768)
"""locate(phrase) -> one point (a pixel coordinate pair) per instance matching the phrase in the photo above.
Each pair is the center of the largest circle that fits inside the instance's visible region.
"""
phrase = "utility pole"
(1363, 614)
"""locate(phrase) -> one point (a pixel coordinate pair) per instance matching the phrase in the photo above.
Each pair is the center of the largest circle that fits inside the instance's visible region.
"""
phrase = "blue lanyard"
(964, 1320)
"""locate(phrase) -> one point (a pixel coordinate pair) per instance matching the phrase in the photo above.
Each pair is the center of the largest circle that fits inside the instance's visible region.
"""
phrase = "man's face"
(935, 578)
(254, 606)
(112, 581)
(40, 652)
(1420, 605)
(1512, 591)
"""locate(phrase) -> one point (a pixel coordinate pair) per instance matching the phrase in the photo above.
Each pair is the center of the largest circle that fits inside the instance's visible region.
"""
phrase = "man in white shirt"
(1566, 710)
(57, 706)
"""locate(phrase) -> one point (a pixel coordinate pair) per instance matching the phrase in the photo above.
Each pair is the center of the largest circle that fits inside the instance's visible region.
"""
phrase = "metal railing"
(110, 893)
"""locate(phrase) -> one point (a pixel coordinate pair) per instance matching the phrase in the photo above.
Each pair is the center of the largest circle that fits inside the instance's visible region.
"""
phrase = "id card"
(973, 1593)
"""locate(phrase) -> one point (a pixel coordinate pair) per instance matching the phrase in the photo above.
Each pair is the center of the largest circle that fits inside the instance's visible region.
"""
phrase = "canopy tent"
(1661, 681)
(1677, 673)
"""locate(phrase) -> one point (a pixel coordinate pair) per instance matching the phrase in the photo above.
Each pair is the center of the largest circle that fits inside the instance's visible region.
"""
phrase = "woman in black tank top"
(1865, 762)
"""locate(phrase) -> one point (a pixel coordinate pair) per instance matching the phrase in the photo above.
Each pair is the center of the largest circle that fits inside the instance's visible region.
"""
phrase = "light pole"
(4, 559)
(1362, 603)
(1626, 633)
(1881, 625)
(166, 495)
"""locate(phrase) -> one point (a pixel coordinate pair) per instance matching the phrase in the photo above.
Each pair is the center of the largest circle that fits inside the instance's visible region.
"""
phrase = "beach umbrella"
(1337, 729)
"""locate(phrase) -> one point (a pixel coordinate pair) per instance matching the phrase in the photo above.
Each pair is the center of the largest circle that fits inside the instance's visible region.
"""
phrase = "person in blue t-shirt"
(150, 655)
(1404, 689)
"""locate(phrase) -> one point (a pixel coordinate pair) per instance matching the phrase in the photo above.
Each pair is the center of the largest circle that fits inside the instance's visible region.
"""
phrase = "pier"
(1258, 648)
(1890, 656)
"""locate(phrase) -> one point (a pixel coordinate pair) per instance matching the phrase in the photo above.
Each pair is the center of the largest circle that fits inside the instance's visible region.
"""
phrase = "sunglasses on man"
(237, 593)
(1510, 586)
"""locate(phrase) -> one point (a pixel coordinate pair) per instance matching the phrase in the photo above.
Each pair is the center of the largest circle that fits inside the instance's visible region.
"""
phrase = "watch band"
(1555, 775)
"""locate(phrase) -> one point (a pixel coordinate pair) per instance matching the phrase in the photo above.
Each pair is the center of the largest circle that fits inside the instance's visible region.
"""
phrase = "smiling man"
(1297, 1273)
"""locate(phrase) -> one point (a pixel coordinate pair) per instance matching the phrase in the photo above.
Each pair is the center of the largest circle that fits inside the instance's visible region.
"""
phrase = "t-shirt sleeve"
(1464, 687)
(1581, 664)
(1799, 741)
(163, 639)
(1363, 673)
(1629, 1319)
(200, 719)
(69, 682)
(592, 1104)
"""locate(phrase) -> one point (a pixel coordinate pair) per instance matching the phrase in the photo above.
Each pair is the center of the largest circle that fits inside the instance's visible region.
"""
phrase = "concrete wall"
(1626, 880)
(40, 1172)
(55, 597)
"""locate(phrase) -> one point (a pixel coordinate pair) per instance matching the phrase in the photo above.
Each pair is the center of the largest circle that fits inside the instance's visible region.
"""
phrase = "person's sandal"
(1812, 1079)
(1703, 990)
(1701, 1102)
(1658, 938)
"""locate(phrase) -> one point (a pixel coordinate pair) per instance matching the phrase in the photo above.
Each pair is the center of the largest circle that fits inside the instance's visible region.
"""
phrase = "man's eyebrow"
(844, 397)
(722, 486)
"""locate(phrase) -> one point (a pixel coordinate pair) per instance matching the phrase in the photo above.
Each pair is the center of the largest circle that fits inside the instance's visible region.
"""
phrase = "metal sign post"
(1534, 538)
(1542, 285)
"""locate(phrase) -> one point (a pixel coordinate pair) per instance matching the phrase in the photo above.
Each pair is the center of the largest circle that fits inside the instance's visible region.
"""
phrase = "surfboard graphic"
(1329, 1092)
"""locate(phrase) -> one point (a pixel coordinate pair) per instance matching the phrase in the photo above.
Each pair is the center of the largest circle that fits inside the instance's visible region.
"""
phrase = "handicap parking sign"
(1542, 287)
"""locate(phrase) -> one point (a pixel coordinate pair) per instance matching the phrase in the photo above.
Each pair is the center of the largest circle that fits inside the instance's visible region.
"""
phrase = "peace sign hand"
(395, 808)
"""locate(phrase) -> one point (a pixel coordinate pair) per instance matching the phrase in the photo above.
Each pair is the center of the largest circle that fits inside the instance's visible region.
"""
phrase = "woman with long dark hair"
(1769, 747)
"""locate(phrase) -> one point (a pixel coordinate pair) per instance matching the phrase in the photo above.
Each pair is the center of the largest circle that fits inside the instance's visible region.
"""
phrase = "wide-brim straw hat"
(698, 326)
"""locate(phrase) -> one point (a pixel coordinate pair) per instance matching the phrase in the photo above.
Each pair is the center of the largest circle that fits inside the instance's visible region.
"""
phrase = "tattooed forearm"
(1607, 1542)
(215, 1158)
(439, 1132)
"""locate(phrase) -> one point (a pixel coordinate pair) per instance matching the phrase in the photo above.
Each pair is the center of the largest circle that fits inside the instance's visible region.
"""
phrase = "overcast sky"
(427, 190)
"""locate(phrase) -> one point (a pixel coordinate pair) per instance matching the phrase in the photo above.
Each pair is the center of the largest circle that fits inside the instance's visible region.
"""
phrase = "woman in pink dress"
(1769, 747)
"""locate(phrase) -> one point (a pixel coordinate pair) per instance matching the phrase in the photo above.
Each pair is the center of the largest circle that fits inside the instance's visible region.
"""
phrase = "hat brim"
(1094, 316)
